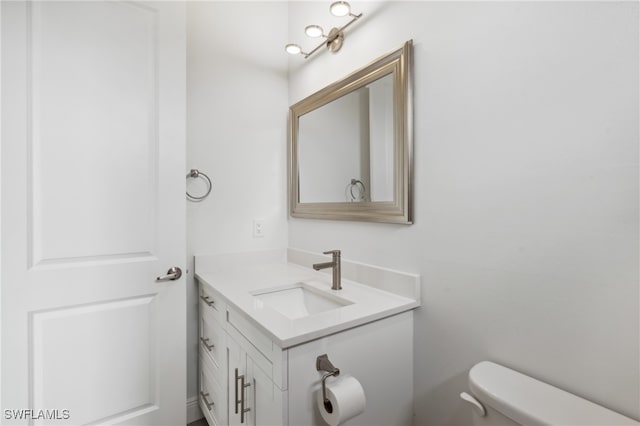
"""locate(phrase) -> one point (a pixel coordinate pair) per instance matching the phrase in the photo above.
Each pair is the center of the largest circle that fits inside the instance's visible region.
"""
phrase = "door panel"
(93, 211)
(93, 93)
(71, 340)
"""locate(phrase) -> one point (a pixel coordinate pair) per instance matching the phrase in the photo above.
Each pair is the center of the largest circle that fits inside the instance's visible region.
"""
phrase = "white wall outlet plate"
(258, 228)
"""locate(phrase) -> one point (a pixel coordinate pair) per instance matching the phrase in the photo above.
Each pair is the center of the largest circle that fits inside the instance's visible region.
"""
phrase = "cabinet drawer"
(212, 341)
(211, 397)
(211, 303)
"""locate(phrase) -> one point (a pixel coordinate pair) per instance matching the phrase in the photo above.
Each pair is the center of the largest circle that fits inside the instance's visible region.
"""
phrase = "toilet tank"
(509, 397)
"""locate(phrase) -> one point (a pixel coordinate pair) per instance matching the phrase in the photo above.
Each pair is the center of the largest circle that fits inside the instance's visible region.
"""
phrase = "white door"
(93, 147)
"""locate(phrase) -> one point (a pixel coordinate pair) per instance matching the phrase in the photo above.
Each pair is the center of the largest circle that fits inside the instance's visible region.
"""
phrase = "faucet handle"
(335, 253)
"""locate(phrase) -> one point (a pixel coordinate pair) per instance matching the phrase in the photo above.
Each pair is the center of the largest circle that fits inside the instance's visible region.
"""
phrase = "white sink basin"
(299, 300)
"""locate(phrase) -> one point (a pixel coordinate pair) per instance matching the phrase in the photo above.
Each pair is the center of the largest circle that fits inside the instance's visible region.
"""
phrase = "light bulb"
(340, 8)
(313, 30)
(293, 49)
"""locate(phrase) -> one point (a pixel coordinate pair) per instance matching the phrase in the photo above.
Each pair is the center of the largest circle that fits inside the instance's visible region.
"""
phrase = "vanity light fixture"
(335, 37)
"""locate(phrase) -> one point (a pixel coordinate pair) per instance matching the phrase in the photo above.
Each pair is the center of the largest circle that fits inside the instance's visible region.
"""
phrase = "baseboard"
(193, 410)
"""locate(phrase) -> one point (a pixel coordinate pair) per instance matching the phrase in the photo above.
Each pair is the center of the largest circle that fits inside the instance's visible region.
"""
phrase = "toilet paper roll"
(346, 400)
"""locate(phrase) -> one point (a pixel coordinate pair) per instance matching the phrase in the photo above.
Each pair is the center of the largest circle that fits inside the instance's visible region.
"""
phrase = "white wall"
(236, 133)
(526, 190)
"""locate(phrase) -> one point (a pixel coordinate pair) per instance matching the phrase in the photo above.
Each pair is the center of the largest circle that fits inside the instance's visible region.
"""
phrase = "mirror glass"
(345, 148)
(350, 146)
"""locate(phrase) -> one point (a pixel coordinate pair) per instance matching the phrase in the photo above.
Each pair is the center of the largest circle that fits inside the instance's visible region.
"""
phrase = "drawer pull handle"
(206, 401)
(206, 344)
(207, 300)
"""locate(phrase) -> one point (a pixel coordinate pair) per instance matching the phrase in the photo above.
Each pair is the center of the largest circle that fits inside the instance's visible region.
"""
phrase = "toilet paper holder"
(323, 364)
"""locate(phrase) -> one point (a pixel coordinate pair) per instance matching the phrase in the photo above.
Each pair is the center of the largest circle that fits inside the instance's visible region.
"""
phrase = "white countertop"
(235, 281)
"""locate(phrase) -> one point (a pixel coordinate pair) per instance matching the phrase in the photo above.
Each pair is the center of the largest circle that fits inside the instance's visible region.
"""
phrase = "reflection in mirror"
(350, 146)
(345, 148)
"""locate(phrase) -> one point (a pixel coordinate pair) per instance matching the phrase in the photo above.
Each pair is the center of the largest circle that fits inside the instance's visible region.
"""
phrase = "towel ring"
(362, 191)
(195, 173)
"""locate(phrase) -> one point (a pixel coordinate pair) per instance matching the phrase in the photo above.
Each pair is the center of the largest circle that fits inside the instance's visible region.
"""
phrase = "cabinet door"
(236, 368)
(263, 397)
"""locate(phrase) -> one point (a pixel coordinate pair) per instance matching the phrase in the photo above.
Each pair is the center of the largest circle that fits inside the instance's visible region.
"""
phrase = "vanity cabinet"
(241, 366)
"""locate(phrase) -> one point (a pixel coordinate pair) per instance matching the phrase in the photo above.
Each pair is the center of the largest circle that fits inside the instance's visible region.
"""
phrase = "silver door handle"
(243, 410)
(172, 274)
(240, 395)
(237, 400)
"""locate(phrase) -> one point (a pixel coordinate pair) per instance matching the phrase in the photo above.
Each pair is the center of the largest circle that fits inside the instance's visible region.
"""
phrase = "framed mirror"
(350, 146)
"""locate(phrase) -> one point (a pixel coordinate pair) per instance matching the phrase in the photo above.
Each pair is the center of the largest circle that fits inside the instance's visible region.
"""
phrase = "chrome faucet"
(335, 264)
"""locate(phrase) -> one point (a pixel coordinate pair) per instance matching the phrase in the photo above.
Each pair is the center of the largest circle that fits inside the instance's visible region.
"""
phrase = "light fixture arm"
(354, 18)
(306, 55)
